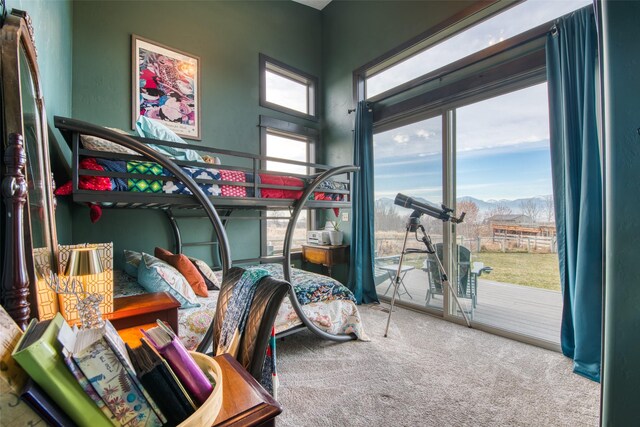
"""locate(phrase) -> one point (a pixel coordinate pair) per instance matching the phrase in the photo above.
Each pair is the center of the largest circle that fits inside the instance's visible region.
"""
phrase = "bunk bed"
(111, 180)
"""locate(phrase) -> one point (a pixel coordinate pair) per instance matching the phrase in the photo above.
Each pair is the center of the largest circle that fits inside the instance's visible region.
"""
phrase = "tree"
(530, 208)
(549, 208)
(470, 227)
(500, 209)
(386, 218)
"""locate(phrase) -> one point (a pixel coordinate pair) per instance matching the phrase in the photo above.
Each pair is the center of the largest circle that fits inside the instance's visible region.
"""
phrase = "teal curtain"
(577, 185)
(361, 280)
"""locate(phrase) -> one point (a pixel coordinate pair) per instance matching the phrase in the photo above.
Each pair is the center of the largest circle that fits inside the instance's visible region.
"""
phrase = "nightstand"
(325, 255)
(141, 311)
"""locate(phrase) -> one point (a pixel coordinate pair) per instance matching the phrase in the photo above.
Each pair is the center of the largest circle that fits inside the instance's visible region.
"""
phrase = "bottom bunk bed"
(325, 302)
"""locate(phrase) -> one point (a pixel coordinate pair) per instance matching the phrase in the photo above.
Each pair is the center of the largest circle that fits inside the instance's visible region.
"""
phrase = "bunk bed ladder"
(180, 244)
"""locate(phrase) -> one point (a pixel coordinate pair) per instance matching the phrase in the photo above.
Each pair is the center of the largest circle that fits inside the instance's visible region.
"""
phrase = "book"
(12, 378)
(87, 387)
(39, 354)
(42, 404)
(98, 354)
(156, 376)
(185, 368)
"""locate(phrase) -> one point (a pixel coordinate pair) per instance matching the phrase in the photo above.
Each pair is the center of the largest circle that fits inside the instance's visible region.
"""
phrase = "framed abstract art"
(166, 86)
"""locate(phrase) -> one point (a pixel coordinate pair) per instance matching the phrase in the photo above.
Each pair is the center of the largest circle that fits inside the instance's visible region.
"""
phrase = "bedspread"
(331, 307)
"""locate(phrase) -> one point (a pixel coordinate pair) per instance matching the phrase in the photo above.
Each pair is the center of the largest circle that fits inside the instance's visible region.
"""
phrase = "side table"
(141, 311)
(325, 255)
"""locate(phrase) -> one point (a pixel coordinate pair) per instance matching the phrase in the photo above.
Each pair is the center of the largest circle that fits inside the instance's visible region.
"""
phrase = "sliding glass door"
(407, 160)
(503, 183)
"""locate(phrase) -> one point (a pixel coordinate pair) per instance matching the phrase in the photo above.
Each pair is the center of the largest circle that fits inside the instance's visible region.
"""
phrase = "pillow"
(149, 128)
(131, 262)
(186, 268)
(207, 274)
(98, 144)
(155, 275)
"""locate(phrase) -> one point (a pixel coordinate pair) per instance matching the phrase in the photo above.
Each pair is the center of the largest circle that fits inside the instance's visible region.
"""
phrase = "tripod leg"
(397, 280)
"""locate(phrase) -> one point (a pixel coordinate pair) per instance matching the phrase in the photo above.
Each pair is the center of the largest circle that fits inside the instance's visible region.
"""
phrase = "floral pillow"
(155, 275)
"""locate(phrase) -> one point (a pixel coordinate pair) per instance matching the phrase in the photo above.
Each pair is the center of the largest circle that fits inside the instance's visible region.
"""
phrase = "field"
(527, 269)
(535, 269)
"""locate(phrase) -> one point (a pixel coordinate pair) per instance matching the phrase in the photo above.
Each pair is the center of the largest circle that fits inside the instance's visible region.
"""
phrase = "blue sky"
(502, 151)
(502, 144)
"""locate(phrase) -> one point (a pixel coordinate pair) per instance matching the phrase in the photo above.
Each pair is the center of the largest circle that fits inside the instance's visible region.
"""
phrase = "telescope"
(442, 213)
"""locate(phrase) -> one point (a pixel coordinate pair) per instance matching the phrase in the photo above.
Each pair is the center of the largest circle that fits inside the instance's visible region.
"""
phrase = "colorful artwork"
(166, 84)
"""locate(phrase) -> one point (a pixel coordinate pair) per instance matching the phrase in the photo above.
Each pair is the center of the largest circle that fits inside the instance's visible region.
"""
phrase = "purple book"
(183, 365)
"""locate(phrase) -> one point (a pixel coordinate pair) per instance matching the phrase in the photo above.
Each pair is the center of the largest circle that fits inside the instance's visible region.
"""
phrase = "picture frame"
(166, 86)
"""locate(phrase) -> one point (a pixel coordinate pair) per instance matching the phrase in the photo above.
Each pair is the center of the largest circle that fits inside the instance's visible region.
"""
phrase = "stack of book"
(92, 378)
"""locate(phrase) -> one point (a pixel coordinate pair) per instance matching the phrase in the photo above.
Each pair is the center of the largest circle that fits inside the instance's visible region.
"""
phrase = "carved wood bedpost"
(15, 281)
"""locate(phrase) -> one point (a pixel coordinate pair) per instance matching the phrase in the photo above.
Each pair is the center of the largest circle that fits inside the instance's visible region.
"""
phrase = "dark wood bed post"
(15, 281)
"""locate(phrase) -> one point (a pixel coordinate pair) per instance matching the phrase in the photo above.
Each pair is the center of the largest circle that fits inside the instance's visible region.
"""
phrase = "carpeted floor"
(428, 372)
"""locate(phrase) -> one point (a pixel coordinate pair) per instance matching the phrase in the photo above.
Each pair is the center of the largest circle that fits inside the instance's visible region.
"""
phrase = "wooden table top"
(143, 303)
(244, 401)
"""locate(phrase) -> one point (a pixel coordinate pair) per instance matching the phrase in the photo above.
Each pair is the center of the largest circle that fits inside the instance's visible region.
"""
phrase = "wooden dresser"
(325, 255)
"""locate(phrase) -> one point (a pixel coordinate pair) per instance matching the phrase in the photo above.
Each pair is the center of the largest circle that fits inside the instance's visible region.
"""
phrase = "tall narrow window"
(296, 144)
(286, 89)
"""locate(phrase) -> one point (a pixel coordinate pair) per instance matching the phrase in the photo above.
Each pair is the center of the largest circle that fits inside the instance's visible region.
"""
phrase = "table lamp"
(86, 262)
(83, 262)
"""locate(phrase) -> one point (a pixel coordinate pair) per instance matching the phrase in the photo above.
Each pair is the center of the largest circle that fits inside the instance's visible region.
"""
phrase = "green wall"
(353, 34)
(621, 361)
(52, 22)
(227, 36)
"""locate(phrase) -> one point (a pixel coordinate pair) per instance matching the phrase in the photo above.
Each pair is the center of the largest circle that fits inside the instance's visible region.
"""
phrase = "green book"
(39, 353)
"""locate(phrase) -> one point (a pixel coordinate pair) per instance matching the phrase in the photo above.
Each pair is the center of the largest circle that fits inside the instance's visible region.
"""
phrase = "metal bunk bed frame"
(72, 129)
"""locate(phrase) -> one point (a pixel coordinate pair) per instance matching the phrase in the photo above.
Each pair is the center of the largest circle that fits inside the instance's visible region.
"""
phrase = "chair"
(262, 315)
(467, 285)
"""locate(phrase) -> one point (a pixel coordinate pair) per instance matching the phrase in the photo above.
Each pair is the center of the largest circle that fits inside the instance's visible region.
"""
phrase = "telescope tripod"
(413, 225)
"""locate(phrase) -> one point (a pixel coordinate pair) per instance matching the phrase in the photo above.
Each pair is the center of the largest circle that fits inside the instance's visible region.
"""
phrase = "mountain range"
(484, 206)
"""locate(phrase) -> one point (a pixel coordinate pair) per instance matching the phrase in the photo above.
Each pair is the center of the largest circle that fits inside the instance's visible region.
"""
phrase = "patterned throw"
(233, 190)
(145, 185)
(178, 187)
(235, 319)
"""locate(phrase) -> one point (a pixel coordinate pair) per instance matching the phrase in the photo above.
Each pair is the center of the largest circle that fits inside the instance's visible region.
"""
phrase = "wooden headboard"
(28, 209)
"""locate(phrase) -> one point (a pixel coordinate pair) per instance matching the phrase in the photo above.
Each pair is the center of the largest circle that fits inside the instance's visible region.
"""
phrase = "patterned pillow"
(98, 144)
(155, 275)
(207, 274)
(181, 263)
(131, 262)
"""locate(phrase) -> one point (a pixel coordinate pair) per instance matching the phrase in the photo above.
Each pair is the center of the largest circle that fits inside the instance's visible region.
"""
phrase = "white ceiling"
(316, 4)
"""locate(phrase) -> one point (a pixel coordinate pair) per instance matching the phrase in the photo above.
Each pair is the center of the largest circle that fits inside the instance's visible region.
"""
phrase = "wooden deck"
(521, 309)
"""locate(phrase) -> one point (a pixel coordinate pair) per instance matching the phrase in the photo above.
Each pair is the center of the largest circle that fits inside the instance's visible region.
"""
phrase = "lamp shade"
(83, 262)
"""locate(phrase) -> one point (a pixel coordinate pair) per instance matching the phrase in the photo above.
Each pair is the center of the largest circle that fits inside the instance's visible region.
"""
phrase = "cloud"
(401, 139)
(425, 134)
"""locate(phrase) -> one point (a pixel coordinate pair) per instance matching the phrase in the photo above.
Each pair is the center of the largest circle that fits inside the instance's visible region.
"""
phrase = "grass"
(519, 268)
(526, 269)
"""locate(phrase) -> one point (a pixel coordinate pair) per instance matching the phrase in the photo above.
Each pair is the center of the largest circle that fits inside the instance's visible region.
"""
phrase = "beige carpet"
(428, 372)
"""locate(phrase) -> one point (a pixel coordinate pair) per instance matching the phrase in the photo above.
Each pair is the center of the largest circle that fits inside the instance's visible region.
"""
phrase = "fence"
(392, 244)
(504, 243)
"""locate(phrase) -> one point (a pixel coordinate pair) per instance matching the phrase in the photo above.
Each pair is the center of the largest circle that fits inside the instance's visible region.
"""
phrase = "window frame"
(269, 125)
(513, 64)
(291, 73)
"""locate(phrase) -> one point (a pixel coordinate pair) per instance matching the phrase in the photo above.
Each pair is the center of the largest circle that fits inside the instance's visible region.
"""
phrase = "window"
(480, 145)
(509, 23)
(286, 89)
(296, 143)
